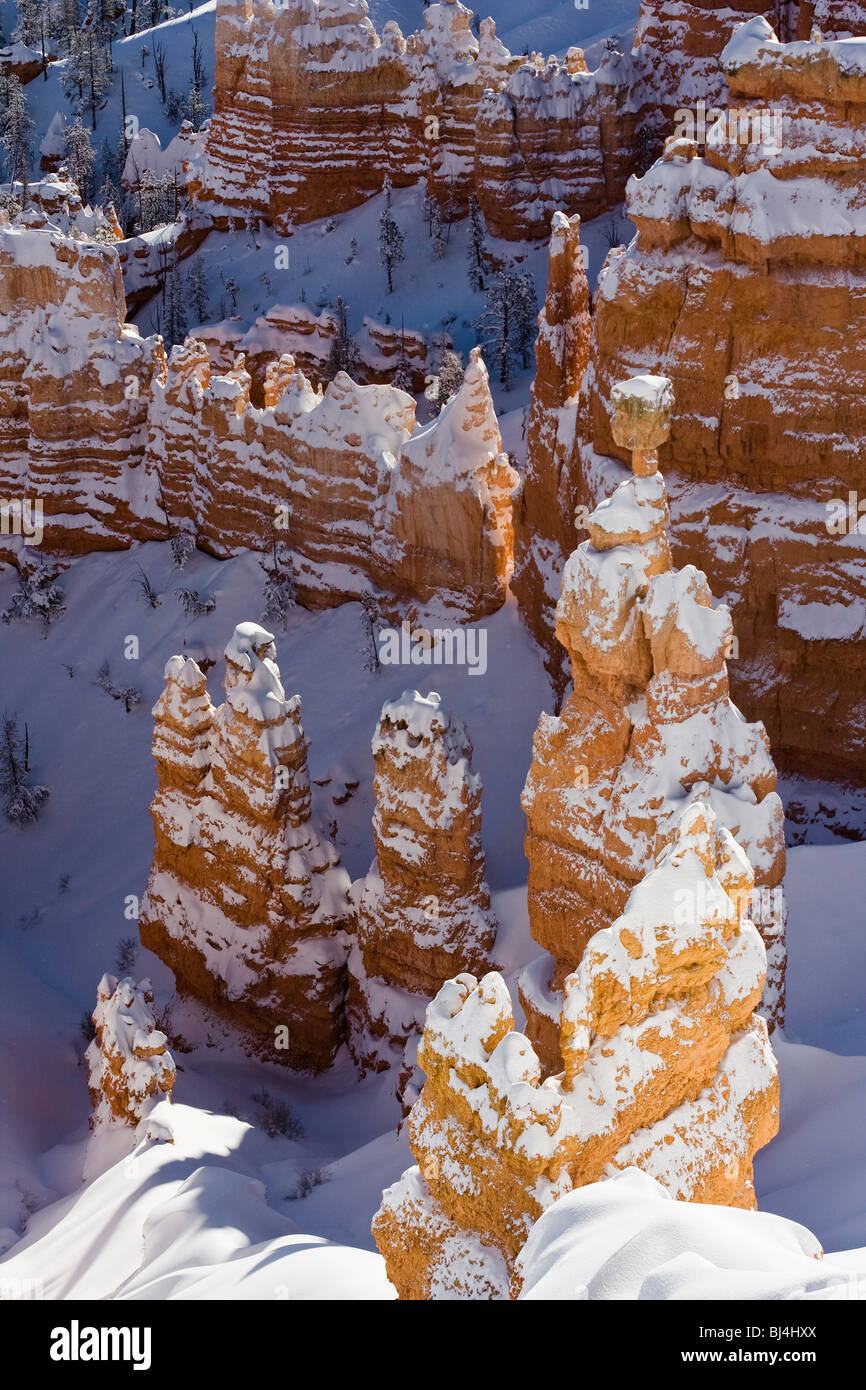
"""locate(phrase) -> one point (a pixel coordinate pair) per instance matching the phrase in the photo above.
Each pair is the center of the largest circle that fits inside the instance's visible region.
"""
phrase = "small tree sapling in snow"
(197, 292)
(23, 802)
(182, 546)
(372, 622)
(127, 954)
(37, 595)
(146, 589)
(279, 587)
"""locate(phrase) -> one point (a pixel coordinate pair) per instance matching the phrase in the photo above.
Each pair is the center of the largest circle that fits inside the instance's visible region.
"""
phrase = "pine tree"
(437, 235)
(195, 108)
(391, 251)
(175, 320)
(28, 29)
(476, 248)
(16, 134)
(344, 355)
(80, 159)
(448, 381)
(507, 325)
(197, 292)
(23, 802)
(402, 377)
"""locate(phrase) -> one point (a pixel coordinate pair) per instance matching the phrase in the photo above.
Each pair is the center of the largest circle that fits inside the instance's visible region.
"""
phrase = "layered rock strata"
(648, 727)
(129, 1067)
(664, 1066)
(423, 910)
(745, 287)
(247, 901)
(114, 444)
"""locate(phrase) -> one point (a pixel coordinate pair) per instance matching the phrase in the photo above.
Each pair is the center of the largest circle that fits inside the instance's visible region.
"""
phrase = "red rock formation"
(360, 499)
(246, 901)
(74, 386)
(129, 1067)
(745, 287)
(544, 531)
(308, 337)
(648, 726)
(313, 108)
(96, 426)
(664, 1066)
(423, 910)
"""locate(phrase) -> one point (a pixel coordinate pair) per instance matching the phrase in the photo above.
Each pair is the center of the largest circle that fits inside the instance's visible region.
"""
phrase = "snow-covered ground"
(217, 1212)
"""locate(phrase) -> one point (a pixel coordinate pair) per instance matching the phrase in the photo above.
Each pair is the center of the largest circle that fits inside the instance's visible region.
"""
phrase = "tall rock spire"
(664, 1066)
(423, 909)
(648, 727)
(246, 900)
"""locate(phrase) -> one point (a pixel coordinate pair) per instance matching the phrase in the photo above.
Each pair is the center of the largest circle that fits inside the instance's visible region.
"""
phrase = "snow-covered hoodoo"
(129, 1067)
(649, 727)
(423, 910)
(246, 901)
(663, 1066)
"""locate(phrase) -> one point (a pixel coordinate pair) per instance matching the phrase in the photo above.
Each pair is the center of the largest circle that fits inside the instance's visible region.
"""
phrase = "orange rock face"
(129, 1067)
(664, 1066)
(544, 514)
(423, 910)
(648, 727)
(99, 430)
(246, 901)
(361, 500)
(313, 108)
(74, 386)
(745, 287)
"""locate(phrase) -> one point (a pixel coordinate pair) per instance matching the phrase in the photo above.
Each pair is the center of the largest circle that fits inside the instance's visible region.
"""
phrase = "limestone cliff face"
(648, 727)
(362, 499)
(423, 910)
(246, 901)
(544, 516)
(663, 1065)
(108, 436)
(745, 287)
(129, 1067)
(313, 108)
(74, 387)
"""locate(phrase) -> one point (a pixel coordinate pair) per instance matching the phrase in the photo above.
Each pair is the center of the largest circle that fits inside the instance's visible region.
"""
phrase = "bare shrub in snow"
(279, 1118)
(129, 694)
(23, 802)
(193, 606)
(146, 589)
(309, 1179)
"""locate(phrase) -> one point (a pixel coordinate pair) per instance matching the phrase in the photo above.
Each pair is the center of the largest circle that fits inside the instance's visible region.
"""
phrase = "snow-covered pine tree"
(16, 134)
(174, 303)
(80, 159)
(344, 355)
(448, 380)
(402, 377)
(391, 251)
(507, 326)
(23, 803)
(475, 246)
(197, 292)
(195, 109)
(28, 28)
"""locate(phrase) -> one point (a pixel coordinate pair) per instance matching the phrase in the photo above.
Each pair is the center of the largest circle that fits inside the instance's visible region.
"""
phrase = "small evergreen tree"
(475, 247)
(447, 382)
(507, 325)
(391, 251)
(80, 159)
(23, 802)
(16, 134)
(197, 293)
(344, 355)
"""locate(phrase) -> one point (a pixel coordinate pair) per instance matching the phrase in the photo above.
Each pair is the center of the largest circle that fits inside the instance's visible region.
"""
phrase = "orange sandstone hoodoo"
(649, 727)
(423, 910)
(129, 1067)
(664, 1066)
(246, 901)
